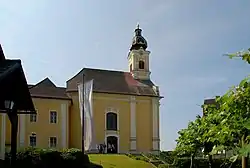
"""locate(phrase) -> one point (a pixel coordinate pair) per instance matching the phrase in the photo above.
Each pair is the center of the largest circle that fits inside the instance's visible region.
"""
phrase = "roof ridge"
(109, 70)
(42, 81)
(96, 69)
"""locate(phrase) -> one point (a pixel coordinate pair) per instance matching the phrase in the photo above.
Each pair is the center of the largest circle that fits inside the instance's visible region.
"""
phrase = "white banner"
(88, 114)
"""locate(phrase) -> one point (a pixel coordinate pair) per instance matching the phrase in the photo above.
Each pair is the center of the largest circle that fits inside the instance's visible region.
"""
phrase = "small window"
(53, 117)
(33, 118)
(52, 142)
(130, 67)
(33, 140)
(141, 65)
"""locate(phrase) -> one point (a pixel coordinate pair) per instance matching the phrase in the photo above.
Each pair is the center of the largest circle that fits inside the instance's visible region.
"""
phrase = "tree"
(189, 140)
(244, 55)
(226, 124)
(234, 116)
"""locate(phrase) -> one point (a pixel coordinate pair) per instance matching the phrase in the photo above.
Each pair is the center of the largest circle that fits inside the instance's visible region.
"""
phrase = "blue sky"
(187, 39)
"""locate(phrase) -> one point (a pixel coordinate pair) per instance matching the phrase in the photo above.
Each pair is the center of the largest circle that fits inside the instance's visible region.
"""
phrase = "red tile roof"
(105, 81)
(117, 82)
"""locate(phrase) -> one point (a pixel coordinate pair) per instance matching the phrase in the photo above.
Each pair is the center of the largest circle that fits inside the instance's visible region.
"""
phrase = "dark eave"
(13, 86)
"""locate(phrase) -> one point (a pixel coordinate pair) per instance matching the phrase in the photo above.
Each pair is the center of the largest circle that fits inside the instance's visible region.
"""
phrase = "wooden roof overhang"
(14, 87)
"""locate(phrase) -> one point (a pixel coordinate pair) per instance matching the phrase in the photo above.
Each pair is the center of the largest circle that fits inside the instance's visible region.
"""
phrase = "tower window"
(130, 67)
(141, 64)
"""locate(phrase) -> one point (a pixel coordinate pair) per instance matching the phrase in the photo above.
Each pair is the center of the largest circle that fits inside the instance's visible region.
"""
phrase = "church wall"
(103, 103)
(118, 104)
(138, 122)
(42, 128)
(2, 135)
(75, 135)
(144, 124)
(7, 133)
(135, 119)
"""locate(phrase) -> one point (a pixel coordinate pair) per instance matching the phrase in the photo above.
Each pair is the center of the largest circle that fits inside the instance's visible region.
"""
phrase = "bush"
(163, 166)
(40, 158)
(167, 156)
(203, 163)
(156, 162)
(138, 157)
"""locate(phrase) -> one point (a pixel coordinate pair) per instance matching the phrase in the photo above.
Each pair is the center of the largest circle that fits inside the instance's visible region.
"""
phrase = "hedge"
(41, 158)
(201, 163)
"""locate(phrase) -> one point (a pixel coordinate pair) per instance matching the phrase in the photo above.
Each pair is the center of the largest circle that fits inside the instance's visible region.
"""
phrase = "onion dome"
(138, 40)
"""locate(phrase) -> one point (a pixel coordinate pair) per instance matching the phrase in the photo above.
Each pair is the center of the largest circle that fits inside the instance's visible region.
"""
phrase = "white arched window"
(111, 121)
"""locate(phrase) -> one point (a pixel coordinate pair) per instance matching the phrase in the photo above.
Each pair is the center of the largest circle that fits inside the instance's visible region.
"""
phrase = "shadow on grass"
(89, 165)
(93, 165)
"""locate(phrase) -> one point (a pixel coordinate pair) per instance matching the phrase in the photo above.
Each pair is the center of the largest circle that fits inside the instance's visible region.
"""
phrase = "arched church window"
(130, 67)
(141, 64)
(111, 121)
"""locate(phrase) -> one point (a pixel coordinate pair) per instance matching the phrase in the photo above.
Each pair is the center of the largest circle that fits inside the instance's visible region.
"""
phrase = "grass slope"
(118, 161)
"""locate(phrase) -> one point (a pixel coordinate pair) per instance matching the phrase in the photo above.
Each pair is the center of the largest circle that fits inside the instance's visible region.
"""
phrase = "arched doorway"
(112, 144)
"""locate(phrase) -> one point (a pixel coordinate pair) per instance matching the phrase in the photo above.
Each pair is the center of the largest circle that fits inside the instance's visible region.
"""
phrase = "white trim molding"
(112, 110)
(57, 142)
(64, 118)
(56, 116)
(132, 123)
(3, 136)
(32, 134)
(118, 141)
(155, 117)
(31, 115)
(119, 99)
(22, 130)
(112, 132)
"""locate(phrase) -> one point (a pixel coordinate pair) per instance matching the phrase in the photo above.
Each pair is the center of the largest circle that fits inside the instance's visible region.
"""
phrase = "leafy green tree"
(189, 140)
(235, 106)
(226, 124)
(244, 55)
(233, 115)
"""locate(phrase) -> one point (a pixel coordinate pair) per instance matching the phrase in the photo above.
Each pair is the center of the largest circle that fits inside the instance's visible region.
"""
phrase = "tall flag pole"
(85, 91)
(83, 118)
(88, 117)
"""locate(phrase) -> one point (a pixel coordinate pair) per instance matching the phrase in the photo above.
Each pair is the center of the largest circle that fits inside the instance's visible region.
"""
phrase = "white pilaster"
(22, 130)
(3, 138)
(155, 117)
(132, 123)
(64, 118)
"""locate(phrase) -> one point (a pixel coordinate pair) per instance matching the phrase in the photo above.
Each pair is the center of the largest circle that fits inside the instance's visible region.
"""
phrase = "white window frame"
(31, 118)
(50, 112)
(110, 132)
(112, 110)
(55, 143)
(33, 135)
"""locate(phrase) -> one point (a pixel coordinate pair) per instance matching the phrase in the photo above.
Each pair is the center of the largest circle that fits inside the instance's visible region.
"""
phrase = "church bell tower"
(138, 57)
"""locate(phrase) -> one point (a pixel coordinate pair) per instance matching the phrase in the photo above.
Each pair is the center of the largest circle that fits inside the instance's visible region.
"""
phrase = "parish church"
(125, 108)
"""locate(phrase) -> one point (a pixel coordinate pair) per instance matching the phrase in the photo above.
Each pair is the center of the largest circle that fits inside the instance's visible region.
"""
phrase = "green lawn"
(118, 161)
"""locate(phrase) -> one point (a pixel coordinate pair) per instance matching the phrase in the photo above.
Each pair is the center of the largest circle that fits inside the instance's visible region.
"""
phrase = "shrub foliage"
(41, 158)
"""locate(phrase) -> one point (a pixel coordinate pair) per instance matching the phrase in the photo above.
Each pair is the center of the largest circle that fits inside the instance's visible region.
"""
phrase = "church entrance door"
(112, 144)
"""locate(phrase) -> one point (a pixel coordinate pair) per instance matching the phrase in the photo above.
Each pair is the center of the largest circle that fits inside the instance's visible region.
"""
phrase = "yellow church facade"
(125, 109)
